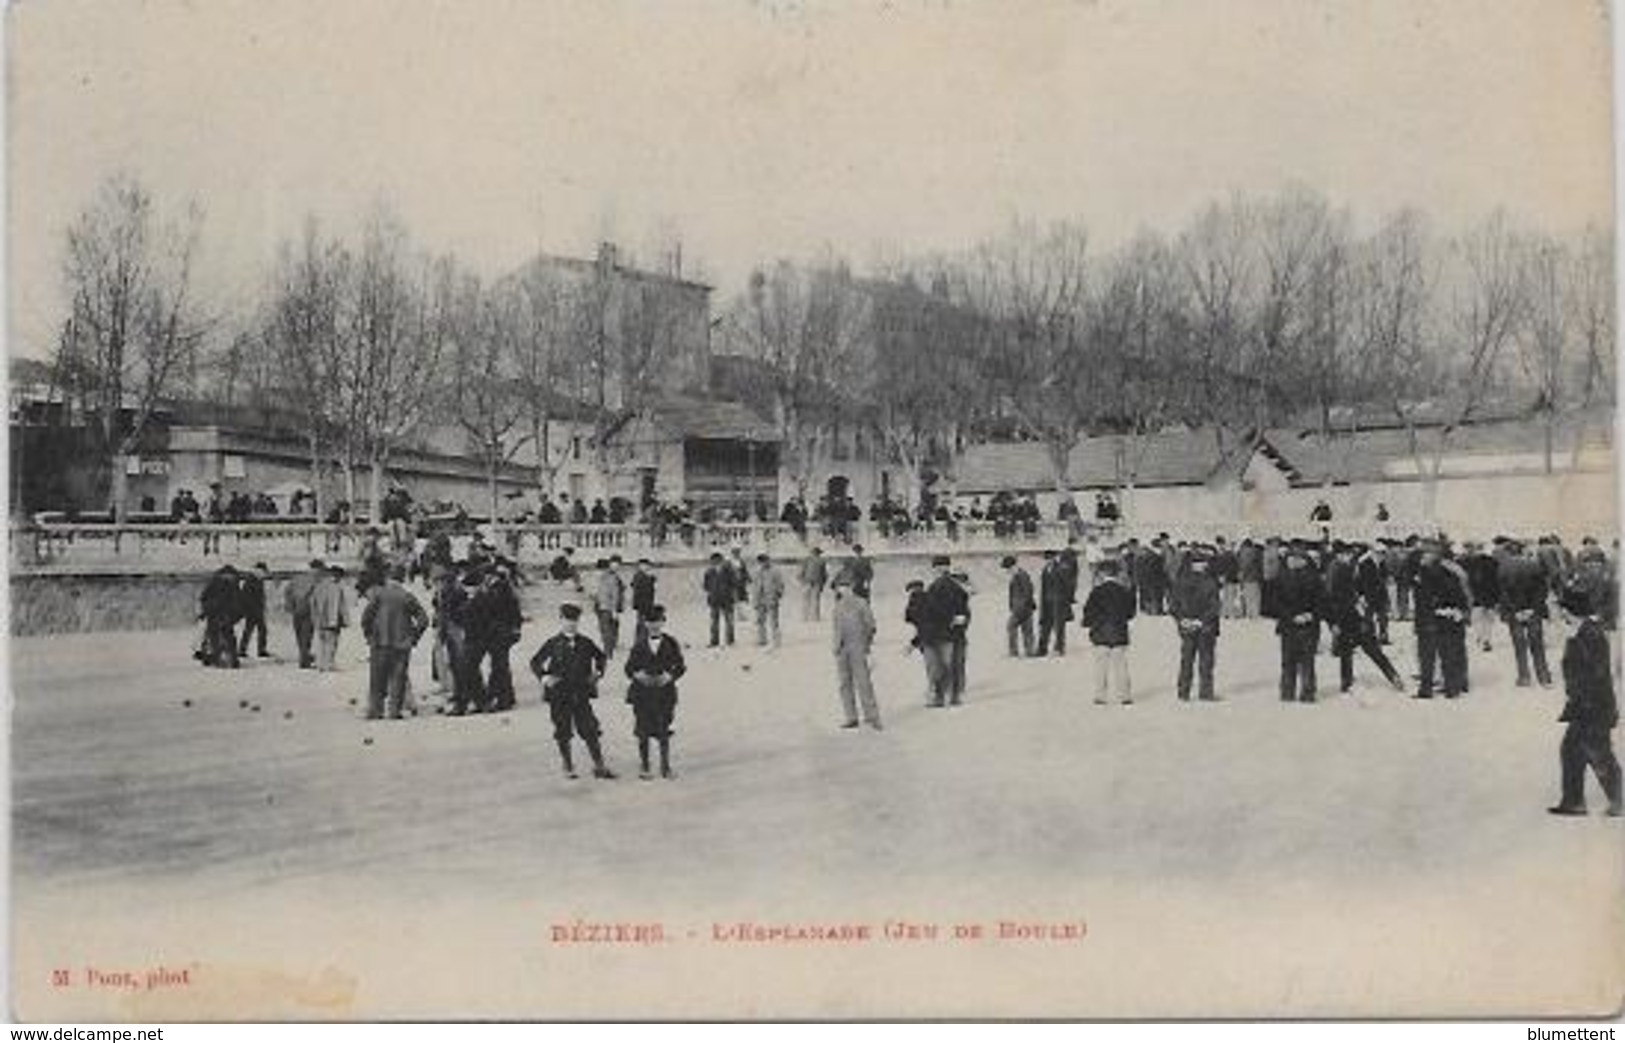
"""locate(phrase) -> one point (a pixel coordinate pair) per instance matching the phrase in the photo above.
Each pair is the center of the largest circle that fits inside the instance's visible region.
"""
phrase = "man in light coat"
(296, 598)
(767, 592)
(814, 576)
(330, 612)
(853, 629)
(608, 602)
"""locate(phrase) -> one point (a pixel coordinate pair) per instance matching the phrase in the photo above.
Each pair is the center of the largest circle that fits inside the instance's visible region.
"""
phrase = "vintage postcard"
(812, 510)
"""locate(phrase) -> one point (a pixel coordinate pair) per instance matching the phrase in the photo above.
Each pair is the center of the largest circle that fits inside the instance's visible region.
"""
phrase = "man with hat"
(1348, 610)
(643, 594)
(568, 664)
(852, 629)
(1054, 604)
(494, 619)
(1484, 588)
(296, 599)
(1022, 606)
(943, 608)
(860, 571)
(1591, 711)
(608, 602)
(1440, 602)
(330, 609)
(1524, 592)
(251, 591)
(719, 597)
(767, 592)
(219, 607)
(1194, 605)
(814, 576)
(392, 623)
(1297, 607)
(654, 663)
(1106, 615)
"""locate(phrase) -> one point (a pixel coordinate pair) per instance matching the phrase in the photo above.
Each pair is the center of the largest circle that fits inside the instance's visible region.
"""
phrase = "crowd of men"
(1454, 597)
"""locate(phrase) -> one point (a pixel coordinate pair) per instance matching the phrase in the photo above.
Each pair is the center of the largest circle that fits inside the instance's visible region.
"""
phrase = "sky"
(754, 131)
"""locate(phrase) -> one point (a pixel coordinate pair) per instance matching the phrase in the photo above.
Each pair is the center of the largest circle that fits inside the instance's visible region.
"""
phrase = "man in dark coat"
(296, 599)
(1348, 609)
(1054, 604)
(219, 608)
(252, 594)
(1591, 711)
(392, 623)
(1441, 609)
(1150, 579)
(1522, 584)
(720, 591)
(1484, 586)
(944, 609)
(1371, 586)
(1106, 614)
(462, 653)
(568, 664)
(494, 623)
(1297, 610)
(1022, 605)
(859, 571)
(1195, 607)
(654, 664)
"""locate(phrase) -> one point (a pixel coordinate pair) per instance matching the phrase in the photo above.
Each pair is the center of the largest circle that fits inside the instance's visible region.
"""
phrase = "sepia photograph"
(833, 510)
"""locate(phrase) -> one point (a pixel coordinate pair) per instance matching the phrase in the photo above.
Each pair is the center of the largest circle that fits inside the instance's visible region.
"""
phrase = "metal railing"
(283, 545)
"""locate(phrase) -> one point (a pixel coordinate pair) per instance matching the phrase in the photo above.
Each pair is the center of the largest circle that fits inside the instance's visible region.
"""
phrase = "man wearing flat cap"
(1022, 605)
(569, 664)
(1297, 608)
(1441, 606)
(296, 598)
(1524, 591)
(944, 609)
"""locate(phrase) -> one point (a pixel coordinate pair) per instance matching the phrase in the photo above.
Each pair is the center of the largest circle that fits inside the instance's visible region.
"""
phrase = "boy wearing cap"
(643, 595)
(654, 663)
(568, 664)
(1591, 711)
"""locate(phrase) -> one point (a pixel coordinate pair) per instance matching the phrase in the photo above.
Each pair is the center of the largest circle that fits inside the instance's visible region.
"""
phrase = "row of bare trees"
(1258, 311)
(370, 343)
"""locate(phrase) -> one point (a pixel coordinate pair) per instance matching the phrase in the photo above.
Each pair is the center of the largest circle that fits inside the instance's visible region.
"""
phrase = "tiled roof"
(713, 418)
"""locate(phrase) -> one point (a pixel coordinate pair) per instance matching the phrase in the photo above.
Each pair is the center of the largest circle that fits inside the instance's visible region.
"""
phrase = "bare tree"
(486, 343)
(809, 326)
(134, 326)
(1567, 349)
(1031, 284)
(1221, 273)
(306, 327)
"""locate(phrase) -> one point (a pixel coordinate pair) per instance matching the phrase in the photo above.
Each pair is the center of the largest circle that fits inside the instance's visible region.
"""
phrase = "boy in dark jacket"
(654, 664)
(1591, 711)
(569, 664)
(1106, 615)
(1195, 608)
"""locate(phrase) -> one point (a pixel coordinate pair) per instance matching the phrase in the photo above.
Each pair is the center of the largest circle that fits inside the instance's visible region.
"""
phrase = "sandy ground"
(1368, 855)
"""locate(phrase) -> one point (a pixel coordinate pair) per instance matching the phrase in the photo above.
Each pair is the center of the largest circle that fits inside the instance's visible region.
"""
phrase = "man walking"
(767, 591)
(392, 623)
(1195, 608)
(1591, 711)
(1054, 604)
(1348, 610)
(1106, 615)
(1022, 606)
(813, 575)
(944, 607)
(853, 631)
(569, 665)
(719, 597)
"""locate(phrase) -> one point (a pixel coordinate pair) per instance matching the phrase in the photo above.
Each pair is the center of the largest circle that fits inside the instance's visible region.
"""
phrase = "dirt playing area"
(1368, 855)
